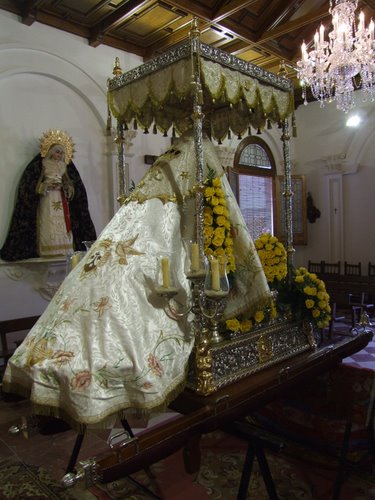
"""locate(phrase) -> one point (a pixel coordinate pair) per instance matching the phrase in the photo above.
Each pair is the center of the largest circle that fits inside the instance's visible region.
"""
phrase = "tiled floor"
(53, 452)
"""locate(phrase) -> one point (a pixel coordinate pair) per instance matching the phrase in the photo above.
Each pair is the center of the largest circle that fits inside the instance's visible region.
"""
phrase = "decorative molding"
(44, 275)
(338, 164)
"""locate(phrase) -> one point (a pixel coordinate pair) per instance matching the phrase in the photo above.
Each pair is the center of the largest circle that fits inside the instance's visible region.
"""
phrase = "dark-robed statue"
(51, 216)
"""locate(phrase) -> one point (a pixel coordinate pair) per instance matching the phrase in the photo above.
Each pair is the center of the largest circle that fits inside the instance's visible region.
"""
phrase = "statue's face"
(58, 154)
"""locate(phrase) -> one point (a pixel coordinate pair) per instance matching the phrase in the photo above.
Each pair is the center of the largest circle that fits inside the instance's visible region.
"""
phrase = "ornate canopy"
(236, 95)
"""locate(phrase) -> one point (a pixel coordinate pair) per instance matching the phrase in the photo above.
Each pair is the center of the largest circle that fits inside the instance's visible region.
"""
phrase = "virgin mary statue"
(105, 343)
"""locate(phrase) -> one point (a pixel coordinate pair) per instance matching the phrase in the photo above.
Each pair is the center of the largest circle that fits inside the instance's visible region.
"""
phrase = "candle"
(371, 29)
(194, 257)
(215, 275)
(316, 40)
(165, 272)
(321, 33)
(76, 257)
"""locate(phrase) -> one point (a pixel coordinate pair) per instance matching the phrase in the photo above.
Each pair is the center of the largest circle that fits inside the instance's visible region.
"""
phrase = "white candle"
(361, 23)
(371, 29)
(194, 257)
(76, 257)
(321, 33)
(165, 272)
(304, 51)
(215, 275)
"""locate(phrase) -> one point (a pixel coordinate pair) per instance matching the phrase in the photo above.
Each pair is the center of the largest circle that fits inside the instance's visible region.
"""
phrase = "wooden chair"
(371, 269)
(352, 269)
(359, 302)
(315, 267)
(335, 318)
(13, 326)
(333, 268)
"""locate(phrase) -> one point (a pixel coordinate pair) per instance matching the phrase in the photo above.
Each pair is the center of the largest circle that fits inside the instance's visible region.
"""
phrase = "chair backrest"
(352, 269)
(315, 267)
(371, 269)
(331, 267)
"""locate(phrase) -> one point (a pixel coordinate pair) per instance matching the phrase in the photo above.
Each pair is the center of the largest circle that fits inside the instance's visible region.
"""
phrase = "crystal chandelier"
(330, 68)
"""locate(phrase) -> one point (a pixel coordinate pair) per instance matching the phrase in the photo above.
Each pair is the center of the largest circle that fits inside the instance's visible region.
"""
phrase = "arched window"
(253, 182)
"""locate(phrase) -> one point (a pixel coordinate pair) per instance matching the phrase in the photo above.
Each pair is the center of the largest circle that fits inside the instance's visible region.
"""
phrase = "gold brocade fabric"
(104, 343)
(232, 100)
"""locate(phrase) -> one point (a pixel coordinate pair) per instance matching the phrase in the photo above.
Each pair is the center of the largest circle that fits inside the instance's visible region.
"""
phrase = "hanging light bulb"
(331, 66)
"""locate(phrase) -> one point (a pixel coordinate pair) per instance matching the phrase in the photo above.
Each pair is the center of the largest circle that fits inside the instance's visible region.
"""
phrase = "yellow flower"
(259, 316)
(246, 325)
(233, 324)
(216, 182)
(219, 210)
(207, 219)
(209, 192)
(217, 241)
(309, 303)
(220, 220)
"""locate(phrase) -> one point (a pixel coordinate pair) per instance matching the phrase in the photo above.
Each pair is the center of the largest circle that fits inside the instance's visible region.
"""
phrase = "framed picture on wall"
(299, 218)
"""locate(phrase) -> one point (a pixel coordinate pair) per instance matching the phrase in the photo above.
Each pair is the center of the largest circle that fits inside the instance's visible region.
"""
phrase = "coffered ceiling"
(264, 32)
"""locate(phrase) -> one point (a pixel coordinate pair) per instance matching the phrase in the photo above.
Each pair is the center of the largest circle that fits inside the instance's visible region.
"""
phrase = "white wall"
(50, 79)
(338, 162)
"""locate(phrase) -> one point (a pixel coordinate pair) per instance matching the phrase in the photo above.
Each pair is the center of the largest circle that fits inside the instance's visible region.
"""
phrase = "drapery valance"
(236, 94)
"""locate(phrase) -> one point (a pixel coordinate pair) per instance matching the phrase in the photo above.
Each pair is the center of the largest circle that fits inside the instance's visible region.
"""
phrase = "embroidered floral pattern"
(155, 365)
(81, 380)
(101, 306)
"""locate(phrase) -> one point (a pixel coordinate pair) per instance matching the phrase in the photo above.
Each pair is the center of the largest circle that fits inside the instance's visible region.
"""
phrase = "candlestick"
(165, 272)
(215, 275)
(194, 257)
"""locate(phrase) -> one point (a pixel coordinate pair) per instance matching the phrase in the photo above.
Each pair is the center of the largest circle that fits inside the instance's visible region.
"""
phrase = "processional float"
(197, 86)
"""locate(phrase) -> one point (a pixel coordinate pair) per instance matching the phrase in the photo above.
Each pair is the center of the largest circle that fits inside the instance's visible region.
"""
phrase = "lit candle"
(215, 275)
(76, 257)
(304, 51)
(165, 272)
(316, 40)
(194, 257)
(361, 23)
(321, 33)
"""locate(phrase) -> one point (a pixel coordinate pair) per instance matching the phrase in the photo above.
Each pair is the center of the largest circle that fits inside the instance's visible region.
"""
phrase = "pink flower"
(155, 366)
(62, 356)
(81, 381)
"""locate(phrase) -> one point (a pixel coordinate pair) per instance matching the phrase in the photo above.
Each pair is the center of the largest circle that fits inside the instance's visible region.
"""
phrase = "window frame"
(239, 169)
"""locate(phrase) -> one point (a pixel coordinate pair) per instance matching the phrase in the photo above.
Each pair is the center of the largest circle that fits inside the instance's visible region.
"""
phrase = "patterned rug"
(307, 477)
(21, 481)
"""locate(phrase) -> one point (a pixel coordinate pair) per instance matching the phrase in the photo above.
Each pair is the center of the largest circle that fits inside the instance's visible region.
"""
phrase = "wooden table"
(203, 414)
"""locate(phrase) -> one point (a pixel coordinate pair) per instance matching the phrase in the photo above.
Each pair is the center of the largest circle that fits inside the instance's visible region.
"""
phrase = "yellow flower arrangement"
(272, 255)
(306, 297)
(310, 298)
(218, 239)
